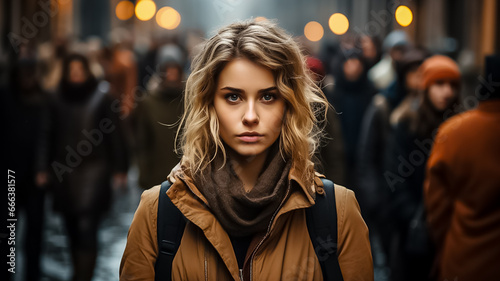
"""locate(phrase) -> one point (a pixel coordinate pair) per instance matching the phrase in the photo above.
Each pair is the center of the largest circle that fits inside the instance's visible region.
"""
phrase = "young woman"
(246, 176)
(408, 149)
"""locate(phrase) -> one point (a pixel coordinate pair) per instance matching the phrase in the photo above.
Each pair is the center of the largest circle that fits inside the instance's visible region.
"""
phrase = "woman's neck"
(248, 168)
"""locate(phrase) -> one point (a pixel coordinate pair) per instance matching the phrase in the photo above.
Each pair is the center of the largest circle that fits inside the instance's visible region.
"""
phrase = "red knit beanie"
(436, 68)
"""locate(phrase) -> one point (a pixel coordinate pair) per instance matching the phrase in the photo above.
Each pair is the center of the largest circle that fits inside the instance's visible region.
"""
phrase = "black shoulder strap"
(322, 226)
(170, 227)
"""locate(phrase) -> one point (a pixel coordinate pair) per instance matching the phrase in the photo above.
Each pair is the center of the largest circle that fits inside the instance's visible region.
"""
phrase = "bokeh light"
(257, 19)
(339, 24)
(124, 10)
(313, 31)
(403, 15)
(168, 18)
(145, 10)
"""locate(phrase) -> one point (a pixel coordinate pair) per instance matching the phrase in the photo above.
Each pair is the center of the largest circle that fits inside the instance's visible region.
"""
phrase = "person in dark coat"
(371, 48)
(89, 153)
(26, 106)
(351, 96)
(462, 188)
(371, 187)
(407, 153)
(155, 117)
(329, 158)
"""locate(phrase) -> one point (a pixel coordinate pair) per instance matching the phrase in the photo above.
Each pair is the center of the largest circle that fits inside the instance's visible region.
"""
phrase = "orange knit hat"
(436, 68)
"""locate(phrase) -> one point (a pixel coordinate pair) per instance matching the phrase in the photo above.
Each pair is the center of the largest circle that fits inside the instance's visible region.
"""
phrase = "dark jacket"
(25, 117)
(88, 149)
(330, 158)
(371, 187)
(154, 120)
(351, 99)
(406, 164)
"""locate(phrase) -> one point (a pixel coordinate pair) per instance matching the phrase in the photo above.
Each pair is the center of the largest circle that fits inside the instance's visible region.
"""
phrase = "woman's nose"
(250, 116)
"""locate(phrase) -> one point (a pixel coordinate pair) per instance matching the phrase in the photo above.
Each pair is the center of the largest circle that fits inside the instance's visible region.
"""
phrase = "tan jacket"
(284, 253)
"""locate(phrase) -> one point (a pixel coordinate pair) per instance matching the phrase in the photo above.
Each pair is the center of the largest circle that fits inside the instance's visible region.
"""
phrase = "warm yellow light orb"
(403, 15)
(339, 24)
(145, 10)
(124, 10)
(168, 18)
(313, 31)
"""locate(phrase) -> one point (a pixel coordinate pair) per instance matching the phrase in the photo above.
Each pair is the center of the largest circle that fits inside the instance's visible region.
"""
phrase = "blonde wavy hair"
(268, 45)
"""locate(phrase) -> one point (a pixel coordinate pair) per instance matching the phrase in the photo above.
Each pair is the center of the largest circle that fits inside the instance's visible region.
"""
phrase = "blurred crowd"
(80, 114)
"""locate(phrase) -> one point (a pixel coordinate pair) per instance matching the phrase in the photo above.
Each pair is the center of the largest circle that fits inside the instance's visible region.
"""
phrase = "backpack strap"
(322, 226)
(170, 227)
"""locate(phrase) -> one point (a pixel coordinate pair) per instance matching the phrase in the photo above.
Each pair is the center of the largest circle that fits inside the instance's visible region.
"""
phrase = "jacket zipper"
(206, 264)
(268, 231)
(206, 269)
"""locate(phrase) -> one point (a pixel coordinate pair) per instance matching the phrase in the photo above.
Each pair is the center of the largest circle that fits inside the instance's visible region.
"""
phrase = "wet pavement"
(56, 258)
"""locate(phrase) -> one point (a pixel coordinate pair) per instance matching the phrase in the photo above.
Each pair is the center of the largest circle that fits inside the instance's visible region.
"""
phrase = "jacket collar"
(191, 202)
(308, 190)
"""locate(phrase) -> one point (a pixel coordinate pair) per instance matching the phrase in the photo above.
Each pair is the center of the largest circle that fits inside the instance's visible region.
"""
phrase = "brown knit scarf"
(244, 213)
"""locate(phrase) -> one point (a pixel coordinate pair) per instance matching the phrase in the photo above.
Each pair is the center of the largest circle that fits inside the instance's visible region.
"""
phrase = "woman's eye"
(232, 97)
(268, 97)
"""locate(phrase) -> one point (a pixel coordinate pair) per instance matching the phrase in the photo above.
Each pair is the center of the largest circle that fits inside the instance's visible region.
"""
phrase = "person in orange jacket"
(462, 187)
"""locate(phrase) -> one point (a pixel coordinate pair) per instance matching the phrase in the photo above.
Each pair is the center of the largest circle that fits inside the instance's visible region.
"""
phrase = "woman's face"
(412, 80)
(442, 93)
(368, 47)
(77, 74)
(353, 68)
(172, 74)
(249, 108)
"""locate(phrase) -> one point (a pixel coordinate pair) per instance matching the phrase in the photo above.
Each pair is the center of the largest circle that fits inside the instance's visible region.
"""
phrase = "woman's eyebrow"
(233, 89)
(242, 91)
(268, 89)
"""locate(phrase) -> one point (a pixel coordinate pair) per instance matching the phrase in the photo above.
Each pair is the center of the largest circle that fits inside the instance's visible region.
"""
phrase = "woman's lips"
(250, 138)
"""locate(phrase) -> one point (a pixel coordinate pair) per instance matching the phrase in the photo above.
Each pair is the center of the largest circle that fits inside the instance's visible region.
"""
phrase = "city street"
(56, 258)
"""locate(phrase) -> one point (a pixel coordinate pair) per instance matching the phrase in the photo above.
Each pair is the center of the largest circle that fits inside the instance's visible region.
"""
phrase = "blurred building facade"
(450, 26)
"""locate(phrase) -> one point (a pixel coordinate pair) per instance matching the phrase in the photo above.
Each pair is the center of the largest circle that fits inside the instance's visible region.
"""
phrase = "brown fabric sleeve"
(140, 254)
(355, 258)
